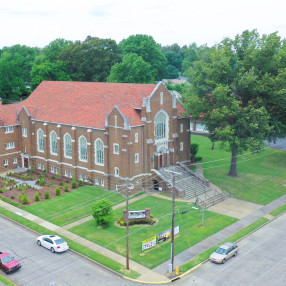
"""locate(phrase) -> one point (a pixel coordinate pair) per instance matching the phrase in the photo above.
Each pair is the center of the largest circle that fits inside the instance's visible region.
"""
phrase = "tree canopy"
(237, 86)
(132, 69)
(149, 50)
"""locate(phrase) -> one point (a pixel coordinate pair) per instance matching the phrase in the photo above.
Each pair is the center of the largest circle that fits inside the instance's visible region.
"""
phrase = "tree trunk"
(232, 171)
(212, 148)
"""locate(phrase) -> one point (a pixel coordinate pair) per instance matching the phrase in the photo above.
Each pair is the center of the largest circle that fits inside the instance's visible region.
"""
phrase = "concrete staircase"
(192, 187)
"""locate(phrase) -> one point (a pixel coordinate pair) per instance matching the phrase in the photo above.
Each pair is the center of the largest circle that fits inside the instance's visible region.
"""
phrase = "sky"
(36, 23)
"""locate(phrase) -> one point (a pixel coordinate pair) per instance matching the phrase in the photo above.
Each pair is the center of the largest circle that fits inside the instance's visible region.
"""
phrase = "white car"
(52, 242)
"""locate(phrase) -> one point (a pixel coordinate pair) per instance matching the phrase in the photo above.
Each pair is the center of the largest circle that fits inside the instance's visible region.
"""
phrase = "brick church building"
(96, 132)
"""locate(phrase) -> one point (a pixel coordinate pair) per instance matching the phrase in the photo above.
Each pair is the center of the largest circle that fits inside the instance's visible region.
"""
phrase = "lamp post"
(173, 223)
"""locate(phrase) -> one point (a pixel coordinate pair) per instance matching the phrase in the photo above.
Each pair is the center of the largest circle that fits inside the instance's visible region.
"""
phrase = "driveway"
(41, 267)
(261, 261)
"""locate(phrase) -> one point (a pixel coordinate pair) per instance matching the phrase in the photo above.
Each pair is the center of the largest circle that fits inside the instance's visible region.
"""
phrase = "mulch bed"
(51, 185)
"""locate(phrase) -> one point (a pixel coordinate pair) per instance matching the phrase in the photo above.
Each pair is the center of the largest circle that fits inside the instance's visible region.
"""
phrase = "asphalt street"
(41, 267)
(261, 261)
(280, 144)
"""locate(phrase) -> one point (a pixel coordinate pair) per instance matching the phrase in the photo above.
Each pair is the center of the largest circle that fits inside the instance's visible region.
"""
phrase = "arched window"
(53, 143)
(161, 127)
(68, 146)
(82, 149)
(99, 152)
(40, 136)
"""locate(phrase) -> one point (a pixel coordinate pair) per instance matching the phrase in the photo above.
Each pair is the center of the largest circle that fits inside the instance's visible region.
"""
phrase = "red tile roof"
(78, 103)
(81, 103)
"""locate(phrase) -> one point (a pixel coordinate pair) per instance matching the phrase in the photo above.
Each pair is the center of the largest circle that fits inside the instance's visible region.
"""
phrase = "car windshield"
(7, 259)
(221, 251)
(59, 241)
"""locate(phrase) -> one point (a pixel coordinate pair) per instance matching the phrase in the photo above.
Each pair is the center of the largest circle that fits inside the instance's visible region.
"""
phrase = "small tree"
(102, 212)
(194, 151)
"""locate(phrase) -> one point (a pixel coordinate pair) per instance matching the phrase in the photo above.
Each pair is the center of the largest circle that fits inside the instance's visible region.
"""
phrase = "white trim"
(6, 154)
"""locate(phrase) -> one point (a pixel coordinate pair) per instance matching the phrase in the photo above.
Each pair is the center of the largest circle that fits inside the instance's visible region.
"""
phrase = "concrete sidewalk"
(146, 274)
(205, 244)
(248, 213)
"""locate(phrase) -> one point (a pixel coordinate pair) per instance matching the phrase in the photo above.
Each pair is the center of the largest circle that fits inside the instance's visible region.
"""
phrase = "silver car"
(224, 252)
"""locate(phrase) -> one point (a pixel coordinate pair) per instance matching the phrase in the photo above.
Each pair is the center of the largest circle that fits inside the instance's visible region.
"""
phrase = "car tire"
(52, 250)
(223, 261)
(235, 254)
(39, 242)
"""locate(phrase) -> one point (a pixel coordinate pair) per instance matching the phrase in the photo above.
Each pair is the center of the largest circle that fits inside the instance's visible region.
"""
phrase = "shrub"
(53, 177)
(73, 184)
(47, 195)
(37, 197)
(198, 158)
(66, 188)
(58, 176)
(1, 191)
(20, 197)
(25, 199)
(67, 181)
(12, 197)
(119, 219)
(58, 191)
(122, 223)
(80, 182)
(60, 183)
(32, 168)
(102, 212)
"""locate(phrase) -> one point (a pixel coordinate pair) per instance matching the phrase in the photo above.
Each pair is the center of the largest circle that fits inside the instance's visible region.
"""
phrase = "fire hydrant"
(177, 270)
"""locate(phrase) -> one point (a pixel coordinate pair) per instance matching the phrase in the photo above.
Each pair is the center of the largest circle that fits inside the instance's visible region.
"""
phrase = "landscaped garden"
(191, 231)
(34, 186)
(261, 175)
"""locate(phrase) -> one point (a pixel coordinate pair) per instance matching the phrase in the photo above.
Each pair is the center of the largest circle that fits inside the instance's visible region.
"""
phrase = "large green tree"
(15, 65)
(149, 50)
(238, 87)
(92, 59)
(132, 69)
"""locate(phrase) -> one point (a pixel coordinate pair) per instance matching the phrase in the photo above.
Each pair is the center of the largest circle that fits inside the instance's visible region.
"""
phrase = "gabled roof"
(79, 103)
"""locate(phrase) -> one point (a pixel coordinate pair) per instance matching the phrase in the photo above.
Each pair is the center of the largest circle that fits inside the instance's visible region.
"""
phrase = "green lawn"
(191, 232)
(254, 183)
(72, 206)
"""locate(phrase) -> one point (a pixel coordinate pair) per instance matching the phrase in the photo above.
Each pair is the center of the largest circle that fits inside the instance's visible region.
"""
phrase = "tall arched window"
(161, 127)
(40, 136)
(99, 152)
(53, 143)
(82, 149)
(67, 146)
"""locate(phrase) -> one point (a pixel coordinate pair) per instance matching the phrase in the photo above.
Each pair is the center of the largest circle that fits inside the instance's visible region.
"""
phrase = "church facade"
(97, 132)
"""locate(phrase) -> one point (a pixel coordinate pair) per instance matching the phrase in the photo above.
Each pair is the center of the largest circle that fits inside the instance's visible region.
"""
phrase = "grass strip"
(109, 263)
(233, 238)
(279, 210)
(6, 281)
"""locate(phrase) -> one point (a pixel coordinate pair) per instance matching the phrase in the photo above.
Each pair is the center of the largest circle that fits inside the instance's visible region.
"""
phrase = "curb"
(72, 250)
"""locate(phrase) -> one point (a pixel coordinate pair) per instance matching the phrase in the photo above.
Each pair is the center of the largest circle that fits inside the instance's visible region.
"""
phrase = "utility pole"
(127, 225)
(173, 223)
